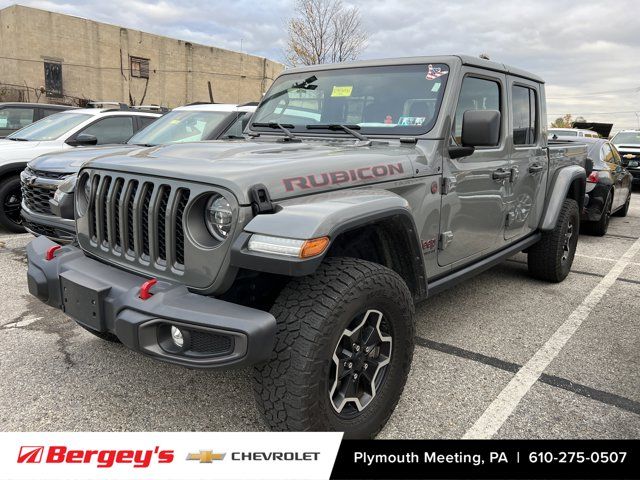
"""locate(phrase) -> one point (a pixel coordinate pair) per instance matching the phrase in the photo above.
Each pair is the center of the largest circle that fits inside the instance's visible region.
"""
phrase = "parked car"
(46, 173)
(62, 131)
(608, 187)
(365, 187)
(628, 144)
(571, 132)
(17, 115)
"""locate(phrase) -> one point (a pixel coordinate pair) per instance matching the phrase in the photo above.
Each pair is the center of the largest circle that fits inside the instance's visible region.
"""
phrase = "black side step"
(451, 279)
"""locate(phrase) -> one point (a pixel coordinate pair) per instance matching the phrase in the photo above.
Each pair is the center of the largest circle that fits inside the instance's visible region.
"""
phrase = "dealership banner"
(171, 456)
(249, 455)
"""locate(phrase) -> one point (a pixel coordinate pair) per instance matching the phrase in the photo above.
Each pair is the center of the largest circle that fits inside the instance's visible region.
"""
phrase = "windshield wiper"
(145, 144)
(17, 139)
(284, 127)
(339, 126)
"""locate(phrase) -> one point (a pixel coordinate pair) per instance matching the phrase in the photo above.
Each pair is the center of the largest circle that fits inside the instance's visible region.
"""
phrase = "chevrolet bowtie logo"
(206, 456)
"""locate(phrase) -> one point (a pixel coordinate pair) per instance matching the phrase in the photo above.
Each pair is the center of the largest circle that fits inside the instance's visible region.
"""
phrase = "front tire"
(10, 200)
(551, 258)
(326, 356)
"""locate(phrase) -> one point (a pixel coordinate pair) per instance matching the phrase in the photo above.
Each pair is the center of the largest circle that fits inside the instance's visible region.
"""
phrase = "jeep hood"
(286, 169)
(70, 161)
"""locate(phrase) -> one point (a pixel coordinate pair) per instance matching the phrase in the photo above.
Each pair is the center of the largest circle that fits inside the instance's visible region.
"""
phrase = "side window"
(15, 118)
(48, 111)
(146, 121)
(524, 110)
(616, 154)
(111, 130)
(607, 155)
(236, 128)
(475, 94)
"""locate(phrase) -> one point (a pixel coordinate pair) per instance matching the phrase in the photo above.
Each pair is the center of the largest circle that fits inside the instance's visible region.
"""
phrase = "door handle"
(501, 174)
(535, 168)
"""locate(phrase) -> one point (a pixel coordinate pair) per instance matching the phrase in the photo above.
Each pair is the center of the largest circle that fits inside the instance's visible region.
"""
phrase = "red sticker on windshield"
(435, 72)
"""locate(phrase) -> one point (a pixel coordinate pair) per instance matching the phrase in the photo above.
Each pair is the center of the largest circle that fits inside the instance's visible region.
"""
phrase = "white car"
(571, 132)
(59, 132)
(191, 123)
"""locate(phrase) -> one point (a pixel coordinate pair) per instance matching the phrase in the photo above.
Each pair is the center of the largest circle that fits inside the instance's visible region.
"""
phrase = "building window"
(139, 67)
(53, 79)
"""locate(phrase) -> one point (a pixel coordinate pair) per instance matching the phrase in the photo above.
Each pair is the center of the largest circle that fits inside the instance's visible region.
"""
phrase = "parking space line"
(591, 274)
(505, 403)
(601, 396)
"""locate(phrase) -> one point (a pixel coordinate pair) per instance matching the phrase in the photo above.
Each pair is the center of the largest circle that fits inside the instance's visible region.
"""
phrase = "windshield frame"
(300, 130)
(69, 131)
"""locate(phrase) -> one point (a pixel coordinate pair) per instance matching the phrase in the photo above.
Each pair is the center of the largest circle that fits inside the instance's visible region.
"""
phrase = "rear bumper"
(217, 334)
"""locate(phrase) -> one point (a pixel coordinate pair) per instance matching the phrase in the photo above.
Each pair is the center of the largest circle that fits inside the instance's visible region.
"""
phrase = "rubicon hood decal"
(342, 176)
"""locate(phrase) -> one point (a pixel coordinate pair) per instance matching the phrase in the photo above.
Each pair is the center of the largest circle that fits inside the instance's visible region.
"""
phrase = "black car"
(14, 116)
(608, 187)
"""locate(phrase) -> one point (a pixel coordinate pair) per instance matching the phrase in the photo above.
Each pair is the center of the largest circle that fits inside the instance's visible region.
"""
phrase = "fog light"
(176, 336)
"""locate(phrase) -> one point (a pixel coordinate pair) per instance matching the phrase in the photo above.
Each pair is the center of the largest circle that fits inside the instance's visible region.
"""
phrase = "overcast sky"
(588, 52)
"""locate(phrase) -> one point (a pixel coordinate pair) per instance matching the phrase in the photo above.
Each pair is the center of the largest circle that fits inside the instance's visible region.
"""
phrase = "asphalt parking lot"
(476, 347)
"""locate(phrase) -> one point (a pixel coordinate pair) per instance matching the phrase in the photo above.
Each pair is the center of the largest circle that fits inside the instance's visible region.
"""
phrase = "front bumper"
(58, 229)
(218, 334)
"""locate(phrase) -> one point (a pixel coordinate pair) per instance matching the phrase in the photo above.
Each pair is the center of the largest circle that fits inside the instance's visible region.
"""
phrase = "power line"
(610, 92)
(594, 113)
(94, 67)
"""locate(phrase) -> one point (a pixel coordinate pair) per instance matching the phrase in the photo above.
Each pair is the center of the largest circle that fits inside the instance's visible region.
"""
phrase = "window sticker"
(411, 120)
(342, 91)
(436, 87)
(435, 72)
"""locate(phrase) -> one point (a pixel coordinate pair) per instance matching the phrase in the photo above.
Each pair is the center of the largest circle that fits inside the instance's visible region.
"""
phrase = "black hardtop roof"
(44, 105)
(462, 59)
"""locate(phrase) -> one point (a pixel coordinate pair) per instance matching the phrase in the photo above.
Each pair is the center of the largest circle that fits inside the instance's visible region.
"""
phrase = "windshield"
(626, 137)
(51, 127)
(563, 133)
(393, 100)
(180, 126)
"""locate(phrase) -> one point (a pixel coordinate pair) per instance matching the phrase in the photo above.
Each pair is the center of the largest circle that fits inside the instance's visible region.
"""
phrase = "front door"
(528, 164)
(473, 211)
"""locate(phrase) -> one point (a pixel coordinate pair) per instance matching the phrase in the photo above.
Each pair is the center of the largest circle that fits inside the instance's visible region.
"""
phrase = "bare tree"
(324, 31)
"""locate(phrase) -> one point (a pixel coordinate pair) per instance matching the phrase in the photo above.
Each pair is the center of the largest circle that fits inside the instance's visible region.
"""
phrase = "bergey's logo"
(30, 454)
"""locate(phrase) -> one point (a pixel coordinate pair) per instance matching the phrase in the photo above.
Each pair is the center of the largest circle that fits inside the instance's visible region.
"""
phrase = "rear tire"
(10, 200)
(599, 228)
(309, 383)
(551, 258)
(622, 212)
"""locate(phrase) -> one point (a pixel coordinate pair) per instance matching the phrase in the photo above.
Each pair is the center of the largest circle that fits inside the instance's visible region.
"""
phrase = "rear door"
(528, 162)
(472, 213)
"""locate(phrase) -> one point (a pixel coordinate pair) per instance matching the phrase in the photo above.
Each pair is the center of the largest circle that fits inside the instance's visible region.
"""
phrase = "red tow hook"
(51, 252)
(145, 294)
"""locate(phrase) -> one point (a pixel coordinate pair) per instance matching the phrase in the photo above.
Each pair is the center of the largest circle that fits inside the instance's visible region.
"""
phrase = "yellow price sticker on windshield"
(344, 91)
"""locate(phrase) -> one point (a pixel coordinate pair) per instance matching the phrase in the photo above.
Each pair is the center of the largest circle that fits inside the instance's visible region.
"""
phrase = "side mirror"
(481, 128)
(83, 139)
(588, 166)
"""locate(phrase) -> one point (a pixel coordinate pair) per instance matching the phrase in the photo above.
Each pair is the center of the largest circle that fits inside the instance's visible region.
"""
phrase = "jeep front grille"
(140, 220)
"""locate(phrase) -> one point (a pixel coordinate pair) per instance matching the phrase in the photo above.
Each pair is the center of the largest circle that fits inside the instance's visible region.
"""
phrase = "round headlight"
(219, 217)
(83, 194)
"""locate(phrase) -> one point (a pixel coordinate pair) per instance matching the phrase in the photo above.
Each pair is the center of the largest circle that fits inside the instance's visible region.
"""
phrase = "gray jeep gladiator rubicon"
(364, 188)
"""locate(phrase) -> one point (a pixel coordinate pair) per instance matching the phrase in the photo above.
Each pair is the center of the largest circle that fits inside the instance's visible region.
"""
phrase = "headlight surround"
(84, 193)
(218, 217)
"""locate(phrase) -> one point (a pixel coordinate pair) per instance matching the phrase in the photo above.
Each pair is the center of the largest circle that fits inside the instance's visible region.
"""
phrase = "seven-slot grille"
(141, 220)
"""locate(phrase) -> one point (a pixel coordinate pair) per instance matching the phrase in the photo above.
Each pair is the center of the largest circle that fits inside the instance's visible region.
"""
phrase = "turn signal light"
(314, 247)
